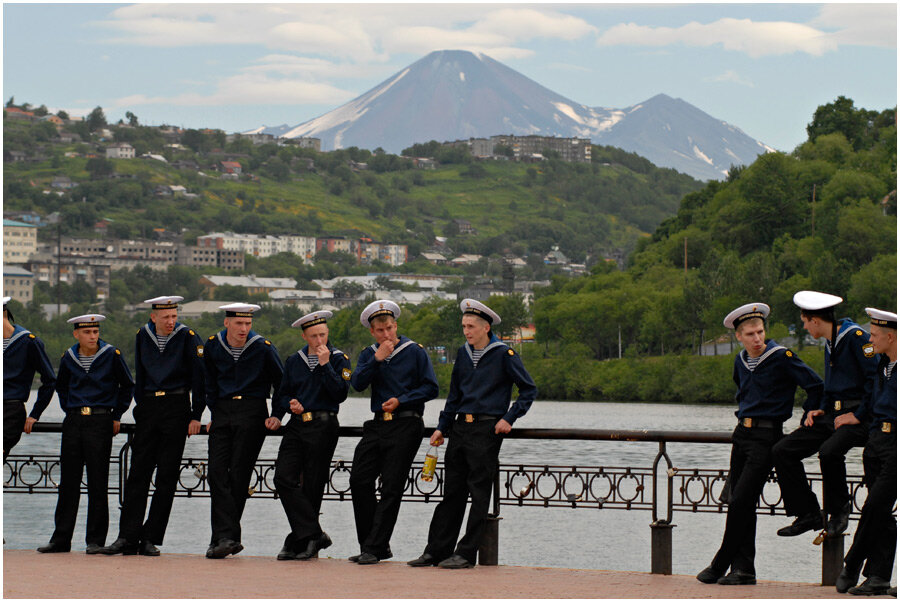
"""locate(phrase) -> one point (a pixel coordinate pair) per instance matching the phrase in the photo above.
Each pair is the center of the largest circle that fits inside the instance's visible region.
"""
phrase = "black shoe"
(804, 523)
(709, 575)
(121, 546)
(383, 556)
(312, 548)
(847, 579)
(366, 558)
(873, 586)
(54, 548)
(455, 562)
(211, 551)
(286, 554)
(148, 549)
(93, 548)
(838, 522)
(425, 559)
(738, 578)
(223, 548)
(354, 558)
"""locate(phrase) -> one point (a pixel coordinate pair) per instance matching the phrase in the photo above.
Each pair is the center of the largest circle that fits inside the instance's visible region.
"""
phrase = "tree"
(839, 116)
(132, 118)
(512, 311)
(11, 102)
(96, 120)
(99, 167)
(41, 111)
(62, 114)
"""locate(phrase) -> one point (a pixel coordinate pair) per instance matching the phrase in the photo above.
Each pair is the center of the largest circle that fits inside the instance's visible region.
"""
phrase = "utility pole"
(685, 255)
(814, 211)
(620, 341)
(58, 267)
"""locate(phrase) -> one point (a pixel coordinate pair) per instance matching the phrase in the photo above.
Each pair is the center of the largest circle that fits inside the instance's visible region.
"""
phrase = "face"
(814, 326)
(752, 335)
(165, 320)
(383, 329)
(883, 338)
(238, 328)
(475, 330)
(316, 336)
(87, 337)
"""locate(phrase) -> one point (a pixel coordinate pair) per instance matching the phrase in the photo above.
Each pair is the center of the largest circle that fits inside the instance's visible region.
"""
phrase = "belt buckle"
(237, 397)
(837, 405)
(748, 422)
(470, 418)
(387, 416)
(306, 416)
(85, 411)
(159, 393)
(886, 427)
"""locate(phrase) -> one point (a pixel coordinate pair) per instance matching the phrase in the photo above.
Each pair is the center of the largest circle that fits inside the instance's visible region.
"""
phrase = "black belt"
(241, 398)
(845, 405)
(154, 394)
(13, 401)
(766, 423)
(89, 411)
(386, 416)
(316, 415)
(475, 417)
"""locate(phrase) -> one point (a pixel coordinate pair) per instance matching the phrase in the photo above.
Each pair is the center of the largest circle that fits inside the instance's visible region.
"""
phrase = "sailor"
(94, 386)
(875, 540)
(402, 380)
(316, 381)
(850, 367)
(23, 355)
(476, 416)
(168, 368)
(767, 376)
(242, 368)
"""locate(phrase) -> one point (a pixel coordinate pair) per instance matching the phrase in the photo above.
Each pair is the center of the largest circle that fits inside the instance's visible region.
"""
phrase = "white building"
(120, 150)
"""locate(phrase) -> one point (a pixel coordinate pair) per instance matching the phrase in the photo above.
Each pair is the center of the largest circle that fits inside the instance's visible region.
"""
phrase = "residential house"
(19, 241)
(18, 283)
(62, 183)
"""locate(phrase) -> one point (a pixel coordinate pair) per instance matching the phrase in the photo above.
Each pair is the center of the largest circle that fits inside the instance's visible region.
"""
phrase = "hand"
(29, 422)
(116, 425)
(502, 427)
(437, 438)
(296, 407)
(324, 354)
(272, 423)
(193, 427)
(844, 419)
(390, 405)
(811, 415)
(384, 350)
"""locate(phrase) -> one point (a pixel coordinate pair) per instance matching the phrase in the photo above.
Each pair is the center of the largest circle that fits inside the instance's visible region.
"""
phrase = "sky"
(761, 67)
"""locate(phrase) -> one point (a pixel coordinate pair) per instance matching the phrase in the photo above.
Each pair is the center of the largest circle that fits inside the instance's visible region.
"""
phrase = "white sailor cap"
(882, 318)
(746, 312)
(6, 300)
(239, 310)
(164, 302)
(382, 307)
(477, 308)
(86, 321)
(813, 300)
(316, 317)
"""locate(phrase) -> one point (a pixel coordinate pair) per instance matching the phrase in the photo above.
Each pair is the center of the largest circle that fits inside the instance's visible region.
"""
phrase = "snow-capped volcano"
(455, 94)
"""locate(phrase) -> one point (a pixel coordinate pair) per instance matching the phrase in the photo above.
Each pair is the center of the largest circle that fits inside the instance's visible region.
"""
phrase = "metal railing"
(661, 488)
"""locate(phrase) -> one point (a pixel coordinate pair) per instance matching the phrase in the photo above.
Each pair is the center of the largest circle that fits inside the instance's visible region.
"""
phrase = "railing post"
(661, 547)
(832, 558)
(489, 549)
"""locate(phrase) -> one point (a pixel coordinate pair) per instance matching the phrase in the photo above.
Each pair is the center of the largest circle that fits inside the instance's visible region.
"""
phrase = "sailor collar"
(73, 353)
(772, 348)
(18, 333)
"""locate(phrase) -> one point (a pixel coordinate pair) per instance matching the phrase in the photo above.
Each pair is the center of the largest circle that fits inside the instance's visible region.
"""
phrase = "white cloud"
(753, 38)
(860, 24)
(729, 76)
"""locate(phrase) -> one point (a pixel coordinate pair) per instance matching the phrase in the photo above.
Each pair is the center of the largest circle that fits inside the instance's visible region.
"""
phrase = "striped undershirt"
(312, 361)
(889, 369)
(236, 351)
(476, 356)
(5, 343)
(752, 362)
(86, 361)
(162, 340)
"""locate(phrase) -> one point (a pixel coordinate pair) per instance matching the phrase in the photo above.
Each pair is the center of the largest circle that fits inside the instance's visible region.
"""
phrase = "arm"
(868, 366)
(336, 386)
(274, 368)
(209, 375)
(427, 388)
(126, 386)
(48, 378)
(194, 358)
(281, 399)
(366, 367)
(516, 371)
(63, 376)
(451, 406)
(138, 368)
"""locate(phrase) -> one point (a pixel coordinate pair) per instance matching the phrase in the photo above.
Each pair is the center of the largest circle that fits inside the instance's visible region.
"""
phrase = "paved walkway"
(27, 574)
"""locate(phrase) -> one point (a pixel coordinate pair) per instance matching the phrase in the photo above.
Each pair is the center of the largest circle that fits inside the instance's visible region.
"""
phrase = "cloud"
(755, 39)
(729, 76)
(860, 24)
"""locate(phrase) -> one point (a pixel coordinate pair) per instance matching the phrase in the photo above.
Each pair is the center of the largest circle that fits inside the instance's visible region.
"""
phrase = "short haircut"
(384, 319)
(826, 315)
(754, 321)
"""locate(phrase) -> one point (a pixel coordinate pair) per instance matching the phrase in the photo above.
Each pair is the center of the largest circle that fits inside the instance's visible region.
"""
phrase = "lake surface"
(559, 537)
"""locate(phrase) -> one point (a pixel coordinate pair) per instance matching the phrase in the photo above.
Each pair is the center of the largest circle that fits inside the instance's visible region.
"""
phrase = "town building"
(19, 241)
(120, 150)
(18, 283)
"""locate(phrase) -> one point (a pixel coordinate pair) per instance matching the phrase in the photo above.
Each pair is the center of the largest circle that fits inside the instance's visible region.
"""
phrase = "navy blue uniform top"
(256, 372)
(486, 389)
(178, 366)
(322, 388)
(882, 405)
(24, 355)
(106, 384)
(406, 374)
(768, 390)
(853, 372)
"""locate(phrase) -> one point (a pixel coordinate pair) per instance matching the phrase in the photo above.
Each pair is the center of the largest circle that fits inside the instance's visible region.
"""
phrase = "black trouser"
(875, 540)
(301, 473)
(237, 435)
(387, 449)
(13, 423)
(470, 469)
(86, 443)
(159, 436)
(832, 445)
(751, 463)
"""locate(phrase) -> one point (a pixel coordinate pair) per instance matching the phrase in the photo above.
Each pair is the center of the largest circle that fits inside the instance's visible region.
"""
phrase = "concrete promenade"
(27, 574)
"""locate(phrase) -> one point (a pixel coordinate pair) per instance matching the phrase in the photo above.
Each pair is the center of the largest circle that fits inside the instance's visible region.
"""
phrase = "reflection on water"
(559, 537)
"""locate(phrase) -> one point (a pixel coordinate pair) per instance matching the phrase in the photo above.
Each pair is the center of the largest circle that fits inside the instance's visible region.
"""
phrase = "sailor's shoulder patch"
(868, 350)
(191, 332)
(268, 342)
(859, 333)
(345, 374)
(421, 346)
(510, 351)
(789, 353)
(118, 352)
(31, 335)
(212, 337)
(346, 357)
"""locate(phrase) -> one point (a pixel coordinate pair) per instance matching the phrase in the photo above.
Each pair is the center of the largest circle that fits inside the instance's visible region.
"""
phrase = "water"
(554, 537)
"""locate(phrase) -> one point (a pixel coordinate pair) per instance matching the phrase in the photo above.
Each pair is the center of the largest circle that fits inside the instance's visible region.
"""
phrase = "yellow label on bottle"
(428, 468)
